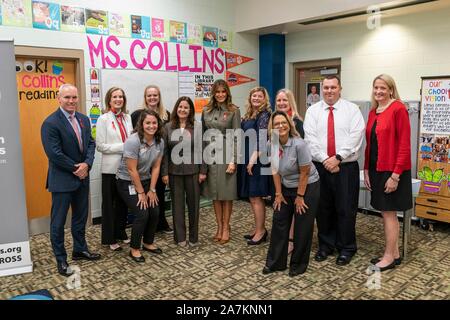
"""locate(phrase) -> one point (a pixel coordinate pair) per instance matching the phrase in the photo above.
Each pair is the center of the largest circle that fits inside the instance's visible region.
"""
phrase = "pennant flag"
(234, 60)
(235, 79)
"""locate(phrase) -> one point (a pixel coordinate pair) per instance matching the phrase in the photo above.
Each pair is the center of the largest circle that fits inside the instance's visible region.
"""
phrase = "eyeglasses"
(279, 124)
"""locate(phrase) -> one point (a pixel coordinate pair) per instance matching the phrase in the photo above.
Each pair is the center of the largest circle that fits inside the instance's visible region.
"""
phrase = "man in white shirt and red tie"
(334, 130)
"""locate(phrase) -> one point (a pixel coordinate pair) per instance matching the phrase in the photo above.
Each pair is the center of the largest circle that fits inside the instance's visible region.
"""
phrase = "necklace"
(381, 108)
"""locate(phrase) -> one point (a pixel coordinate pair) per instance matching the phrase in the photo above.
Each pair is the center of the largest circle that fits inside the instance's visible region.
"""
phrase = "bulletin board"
(434, 148)
(133, 83)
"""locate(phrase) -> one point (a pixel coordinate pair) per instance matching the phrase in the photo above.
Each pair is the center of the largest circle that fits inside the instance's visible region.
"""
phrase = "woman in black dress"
(387, 167)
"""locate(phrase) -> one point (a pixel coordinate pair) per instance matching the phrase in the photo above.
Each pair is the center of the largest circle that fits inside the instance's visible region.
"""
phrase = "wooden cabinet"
(433, 162)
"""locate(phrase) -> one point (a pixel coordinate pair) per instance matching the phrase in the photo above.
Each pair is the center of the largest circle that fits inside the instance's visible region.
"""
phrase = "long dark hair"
(212, 100)
(140, 125)
(175, 121)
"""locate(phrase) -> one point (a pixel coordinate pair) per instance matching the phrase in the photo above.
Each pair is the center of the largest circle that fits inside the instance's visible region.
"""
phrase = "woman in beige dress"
(221, 183)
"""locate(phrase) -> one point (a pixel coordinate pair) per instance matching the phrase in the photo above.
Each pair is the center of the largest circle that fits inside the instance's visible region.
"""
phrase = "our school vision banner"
(14, 242)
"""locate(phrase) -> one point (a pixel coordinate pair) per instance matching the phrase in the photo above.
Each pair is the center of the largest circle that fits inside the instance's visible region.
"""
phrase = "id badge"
(131, 190)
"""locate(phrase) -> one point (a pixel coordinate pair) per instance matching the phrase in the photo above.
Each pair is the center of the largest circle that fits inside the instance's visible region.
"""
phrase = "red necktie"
(123, 132)
(331, 144)
(73, 122)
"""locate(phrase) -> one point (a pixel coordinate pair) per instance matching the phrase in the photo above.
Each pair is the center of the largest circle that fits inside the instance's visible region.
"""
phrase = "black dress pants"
(114, 211)
(336, 218)
(145, 221)
(160, 191)
(303, 230)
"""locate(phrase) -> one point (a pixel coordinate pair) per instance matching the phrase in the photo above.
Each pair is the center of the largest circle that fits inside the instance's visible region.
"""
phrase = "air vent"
(364, 12)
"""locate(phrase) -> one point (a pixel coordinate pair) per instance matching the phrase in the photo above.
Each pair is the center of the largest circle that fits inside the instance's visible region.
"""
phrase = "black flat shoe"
(118, 248)
(321, 256)
(85, 255)
(155, 251)
(267, 270)
(342, 260)
(64, 269)
(398, 261)
(137, 259)
(295, 272)
(389, 266)
(263, 239)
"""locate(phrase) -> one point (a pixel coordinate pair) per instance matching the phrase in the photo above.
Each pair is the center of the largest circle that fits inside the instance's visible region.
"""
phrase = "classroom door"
(38, 80)
(308, 78)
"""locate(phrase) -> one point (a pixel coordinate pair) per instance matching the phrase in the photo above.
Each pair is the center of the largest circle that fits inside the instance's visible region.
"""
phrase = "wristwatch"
(153, 190)
(338, 156)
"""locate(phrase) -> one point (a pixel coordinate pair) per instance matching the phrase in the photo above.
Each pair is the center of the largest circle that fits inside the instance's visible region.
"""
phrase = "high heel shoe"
(249, 236)
(263, 239)
(223, 241)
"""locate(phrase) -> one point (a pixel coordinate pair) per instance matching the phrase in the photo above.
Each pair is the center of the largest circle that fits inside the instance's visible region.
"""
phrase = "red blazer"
(394, 138)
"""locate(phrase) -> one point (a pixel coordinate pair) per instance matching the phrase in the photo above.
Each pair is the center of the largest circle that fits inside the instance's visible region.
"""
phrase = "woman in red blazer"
(387, 166)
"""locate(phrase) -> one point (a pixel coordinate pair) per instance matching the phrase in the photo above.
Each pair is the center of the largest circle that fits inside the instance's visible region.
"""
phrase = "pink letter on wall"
(166, 57)
(133, 58)
(161, 55)
(112, 64)
(195, 50)
(219, 58)
(96, 50)
(208, 60)
(180, 67)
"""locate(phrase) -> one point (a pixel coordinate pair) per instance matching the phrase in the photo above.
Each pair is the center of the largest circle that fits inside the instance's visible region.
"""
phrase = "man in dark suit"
(66, 137)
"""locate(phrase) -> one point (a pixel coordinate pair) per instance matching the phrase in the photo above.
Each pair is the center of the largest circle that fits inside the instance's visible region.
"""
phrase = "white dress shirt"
(348, 130)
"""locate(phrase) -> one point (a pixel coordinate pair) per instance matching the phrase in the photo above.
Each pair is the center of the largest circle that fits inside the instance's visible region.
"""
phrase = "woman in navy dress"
(253, 184)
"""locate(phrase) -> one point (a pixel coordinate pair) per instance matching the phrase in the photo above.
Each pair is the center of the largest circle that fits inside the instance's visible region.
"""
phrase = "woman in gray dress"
(221, 156)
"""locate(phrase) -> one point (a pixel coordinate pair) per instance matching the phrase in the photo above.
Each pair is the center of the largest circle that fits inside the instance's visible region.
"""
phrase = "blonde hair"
(212, 104)
(264, 107)
(161, 111)
(291, 101)
(391, 85)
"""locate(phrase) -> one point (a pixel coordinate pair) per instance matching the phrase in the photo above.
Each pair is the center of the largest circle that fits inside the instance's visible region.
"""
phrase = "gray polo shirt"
(295, 153)
(143, 152)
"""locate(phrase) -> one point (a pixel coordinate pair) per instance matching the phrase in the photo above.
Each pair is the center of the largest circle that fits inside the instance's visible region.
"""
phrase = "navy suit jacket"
(63, 151)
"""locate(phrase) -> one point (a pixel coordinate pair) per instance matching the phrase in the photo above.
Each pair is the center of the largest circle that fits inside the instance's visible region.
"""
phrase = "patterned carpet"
(233, 270)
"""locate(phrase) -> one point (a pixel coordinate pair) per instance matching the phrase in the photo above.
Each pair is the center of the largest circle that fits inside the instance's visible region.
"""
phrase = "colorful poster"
(178, 32)
(234, 60)
(210, 37)
(95, 93)
(94, 113)
(93, 76)
(159, 29)
(199, 104)
(46, 15)
(97, 22)
(203, 84)
(194, 34)
(435, 115)
(225, 39)
(17, 13)
(72, 19)
(235, 79)
(119, 25)
(0, 13)
(140, 27)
